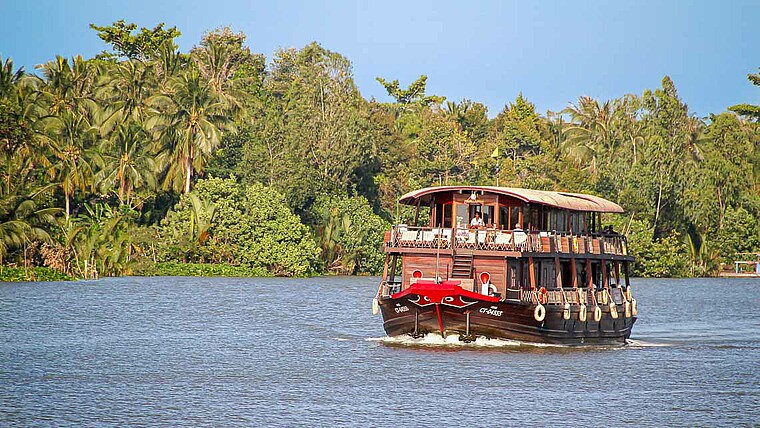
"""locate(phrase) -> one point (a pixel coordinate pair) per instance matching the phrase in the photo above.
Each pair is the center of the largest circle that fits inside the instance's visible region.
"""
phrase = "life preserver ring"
(604, 297)
(627, 309)
(542, 296)
(634, 309)
(566, 311)
(539, 313)
(582, 313)
(492, 289)
(581, 295)
(597, 313)
(613, 310)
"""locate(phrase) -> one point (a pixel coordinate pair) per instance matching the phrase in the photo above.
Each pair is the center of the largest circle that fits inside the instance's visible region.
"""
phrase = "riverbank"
(42, 274)
(31, 274)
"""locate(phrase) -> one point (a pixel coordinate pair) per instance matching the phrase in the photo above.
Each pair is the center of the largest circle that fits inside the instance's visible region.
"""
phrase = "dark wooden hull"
(512, 320)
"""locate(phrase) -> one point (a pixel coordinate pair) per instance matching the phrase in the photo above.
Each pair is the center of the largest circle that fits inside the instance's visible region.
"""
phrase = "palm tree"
(590, 134)
(68, 130)
(189, 121)
(128, 163)
(9, 78)
(72, 166)
(27, 223)
(12, 234)
(125, 88)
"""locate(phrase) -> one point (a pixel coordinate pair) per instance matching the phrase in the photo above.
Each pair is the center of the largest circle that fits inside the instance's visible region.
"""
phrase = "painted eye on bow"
(426, 298)
(448, 299)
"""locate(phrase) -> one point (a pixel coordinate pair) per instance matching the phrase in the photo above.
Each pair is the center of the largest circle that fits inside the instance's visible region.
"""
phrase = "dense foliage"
(148, 160)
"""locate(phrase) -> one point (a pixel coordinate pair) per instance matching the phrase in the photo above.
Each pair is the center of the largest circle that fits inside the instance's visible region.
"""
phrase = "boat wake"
(632, 343)
(433, 340)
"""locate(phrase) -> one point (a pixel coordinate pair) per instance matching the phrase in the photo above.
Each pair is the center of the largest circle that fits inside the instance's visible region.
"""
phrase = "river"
(309, 352)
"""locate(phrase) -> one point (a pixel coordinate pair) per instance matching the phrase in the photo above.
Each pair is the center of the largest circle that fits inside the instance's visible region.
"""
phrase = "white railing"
(403, 236)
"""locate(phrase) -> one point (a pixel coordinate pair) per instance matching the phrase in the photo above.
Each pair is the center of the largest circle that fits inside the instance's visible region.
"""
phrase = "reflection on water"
(306, 352)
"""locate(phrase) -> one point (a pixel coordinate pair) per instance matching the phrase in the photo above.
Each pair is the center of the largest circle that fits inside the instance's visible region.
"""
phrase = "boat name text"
(491, 312)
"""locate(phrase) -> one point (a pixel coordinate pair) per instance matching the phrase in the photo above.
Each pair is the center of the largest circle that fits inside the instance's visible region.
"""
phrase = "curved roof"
(563, 200)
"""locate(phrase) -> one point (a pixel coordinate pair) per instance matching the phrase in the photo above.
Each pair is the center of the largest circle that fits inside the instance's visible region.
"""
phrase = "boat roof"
(563, 200)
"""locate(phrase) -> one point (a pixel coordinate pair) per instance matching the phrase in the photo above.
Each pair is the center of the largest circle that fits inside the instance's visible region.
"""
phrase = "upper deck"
(514, 221)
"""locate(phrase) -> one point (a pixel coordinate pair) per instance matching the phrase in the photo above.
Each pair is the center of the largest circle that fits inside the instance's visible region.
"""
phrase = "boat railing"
(419, 237)
(404, 236)
(575, 296)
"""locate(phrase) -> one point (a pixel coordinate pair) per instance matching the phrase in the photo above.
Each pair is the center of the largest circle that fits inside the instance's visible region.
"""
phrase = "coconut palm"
(125, 88)
(128, 163)
(9, 77)
(590, 133)
(26, 223)
(188, 121)
(68, 134)
(67, 91)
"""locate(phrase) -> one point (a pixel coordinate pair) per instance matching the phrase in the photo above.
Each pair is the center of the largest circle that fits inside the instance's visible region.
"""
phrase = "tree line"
(147, 160)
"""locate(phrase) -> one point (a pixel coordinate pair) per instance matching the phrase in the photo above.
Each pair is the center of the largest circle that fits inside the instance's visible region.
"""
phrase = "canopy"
(563, 200)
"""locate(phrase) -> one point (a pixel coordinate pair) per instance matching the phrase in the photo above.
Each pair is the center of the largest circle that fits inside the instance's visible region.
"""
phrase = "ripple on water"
(308, 352)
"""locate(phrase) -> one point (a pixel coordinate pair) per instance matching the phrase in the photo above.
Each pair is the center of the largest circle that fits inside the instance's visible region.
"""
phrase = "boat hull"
(505, 319)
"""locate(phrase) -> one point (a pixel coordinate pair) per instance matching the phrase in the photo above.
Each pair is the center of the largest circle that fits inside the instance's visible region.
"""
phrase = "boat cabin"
(497, 239)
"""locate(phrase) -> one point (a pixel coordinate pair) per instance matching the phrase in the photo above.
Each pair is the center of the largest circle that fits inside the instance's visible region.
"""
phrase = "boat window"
(512, 274)
(534, 218)
(576, 220)
(504, 222)
(514, 217)
(561, 221)
(472, 210)
(463, 217)
(487, 215)
(524, 274)
(443, 215)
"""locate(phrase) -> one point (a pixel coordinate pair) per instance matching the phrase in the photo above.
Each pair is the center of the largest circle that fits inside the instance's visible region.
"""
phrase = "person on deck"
(476, 222)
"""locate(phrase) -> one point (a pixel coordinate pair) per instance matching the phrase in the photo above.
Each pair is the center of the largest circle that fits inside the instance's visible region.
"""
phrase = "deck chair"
(502, 241)
(428, 238)
(445, 237)
(408, 238)
(521, 241)
(470, 241)
(481, 239)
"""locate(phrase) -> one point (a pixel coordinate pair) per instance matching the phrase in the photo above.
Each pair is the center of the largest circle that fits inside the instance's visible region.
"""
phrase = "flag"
(495, 153)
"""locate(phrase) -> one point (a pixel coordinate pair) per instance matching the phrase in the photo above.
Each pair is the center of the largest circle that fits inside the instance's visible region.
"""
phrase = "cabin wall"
(426, 265)
(496, 267)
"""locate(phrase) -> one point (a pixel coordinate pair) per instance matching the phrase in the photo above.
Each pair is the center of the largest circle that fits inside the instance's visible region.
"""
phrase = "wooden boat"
(540, 269)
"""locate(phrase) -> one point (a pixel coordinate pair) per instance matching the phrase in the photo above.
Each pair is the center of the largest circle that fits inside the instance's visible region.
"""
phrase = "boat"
(535, 266)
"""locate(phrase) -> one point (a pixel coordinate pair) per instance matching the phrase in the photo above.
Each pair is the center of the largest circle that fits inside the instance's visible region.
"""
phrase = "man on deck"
(476, 222)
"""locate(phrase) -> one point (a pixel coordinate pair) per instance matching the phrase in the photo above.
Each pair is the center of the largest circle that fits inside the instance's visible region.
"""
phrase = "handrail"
(403, 236)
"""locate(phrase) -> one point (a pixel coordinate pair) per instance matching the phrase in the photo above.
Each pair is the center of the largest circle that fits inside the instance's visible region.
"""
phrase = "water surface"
(308, 352)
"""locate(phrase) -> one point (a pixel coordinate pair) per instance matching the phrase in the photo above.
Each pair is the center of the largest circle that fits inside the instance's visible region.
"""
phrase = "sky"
(551, 51)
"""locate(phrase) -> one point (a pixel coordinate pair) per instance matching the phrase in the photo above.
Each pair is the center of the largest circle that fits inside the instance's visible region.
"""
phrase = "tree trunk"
(121, 192)
(189, 173)
(659, 205)
(68, 205)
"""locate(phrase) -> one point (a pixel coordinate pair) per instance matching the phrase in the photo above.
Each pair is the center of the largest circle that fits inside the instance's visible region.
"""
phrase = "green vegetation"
(146, 160)
(36, 273)
(198, 269)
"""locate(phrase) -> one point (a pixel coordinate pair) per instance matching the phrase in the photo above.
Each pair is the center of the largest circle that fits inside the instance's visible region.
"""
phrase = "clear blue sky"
(488, 51)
